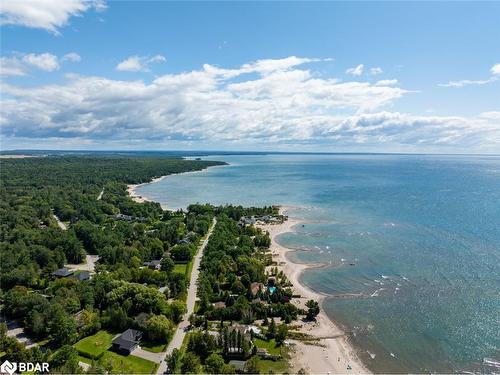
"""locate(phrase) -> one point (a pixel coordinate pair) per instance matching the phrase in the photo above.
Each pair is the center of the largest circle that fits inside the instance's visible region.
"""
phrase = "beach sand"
(332, 353)
(131, 190)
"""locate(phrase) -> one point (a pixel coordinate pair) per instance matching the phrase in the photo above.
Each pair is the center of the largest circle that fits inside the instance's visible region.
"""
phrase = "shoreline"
(131, 190)
(333, 353)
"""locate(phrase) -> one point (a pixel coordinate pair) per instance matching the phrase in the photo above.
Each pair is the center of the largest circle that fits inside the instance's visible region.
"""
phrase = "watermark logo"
(8, 368)
(11, 367)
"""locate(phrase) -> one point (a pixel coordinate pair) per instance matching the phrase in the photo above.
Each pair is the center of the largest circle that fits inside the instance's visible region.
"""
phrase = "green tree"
(281, 334)
(214, 363)
(173, 360)
(312, 309)
(252, 365)
(271, 330)
(190, 363)
(167, 264)
(158, 328)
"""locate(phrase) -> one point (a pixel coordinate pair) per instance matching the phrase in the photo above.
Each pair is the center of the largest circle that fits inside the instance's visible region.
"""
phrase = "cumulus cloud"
(139, 63)
(355, 71)
(263, 102)
(43, 61)
(495, 71)
(19, 64)
(72, 56)
(49, 15)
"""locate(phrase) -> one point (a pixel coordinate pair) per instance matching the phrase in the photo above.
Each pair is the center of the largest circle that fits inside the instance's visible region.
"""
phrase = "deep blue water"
(411, 245)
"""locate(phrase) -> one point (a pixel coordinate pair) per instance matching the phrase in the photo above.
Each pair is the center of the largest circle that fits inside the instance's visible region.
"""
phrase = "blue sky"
(333, 76)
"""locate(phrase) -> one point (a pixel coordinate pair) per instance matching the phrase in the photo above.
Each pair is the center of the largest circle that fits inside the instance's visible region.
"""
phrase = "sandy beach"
(332, 353)
(131, 190)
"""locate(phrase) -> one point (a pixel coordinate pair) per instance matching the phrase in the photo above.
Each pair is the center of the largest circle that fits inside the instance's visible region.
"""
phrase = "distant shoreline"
(334, 353)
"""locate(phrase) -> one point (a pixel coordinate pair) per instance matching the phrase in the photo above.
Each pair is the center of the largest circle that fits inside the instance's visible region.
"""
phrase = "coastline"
(333, 353)
(131, 190)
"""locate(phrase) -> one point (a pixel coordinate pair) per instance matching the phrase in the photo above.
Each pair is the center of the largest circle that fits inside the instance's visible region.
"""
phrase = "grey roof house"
(63, 272)
(127, 341)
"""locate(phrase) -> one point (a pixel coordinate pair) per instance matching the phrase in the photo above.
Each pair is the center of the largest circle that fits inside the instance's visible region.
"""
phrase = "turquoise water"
(411, 246)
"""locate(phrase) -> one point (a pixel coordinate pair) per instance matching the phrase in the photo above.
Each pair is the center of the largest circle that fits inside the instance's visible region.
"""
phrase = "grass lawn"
(269, 345)
(267, 366)
(180, 268)
(129, 364)
(153, 347)
(93, 346)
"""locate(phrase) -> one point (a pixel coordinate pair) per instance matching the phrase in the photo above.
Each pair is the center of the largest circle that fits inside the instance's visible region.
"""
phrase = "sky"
(330, 76)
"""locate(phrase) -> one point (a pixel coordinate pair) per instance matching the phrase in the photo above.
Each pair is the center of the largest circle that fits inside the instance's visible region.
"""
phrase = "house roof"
(128, 339)
(239, 365)
(63, 272)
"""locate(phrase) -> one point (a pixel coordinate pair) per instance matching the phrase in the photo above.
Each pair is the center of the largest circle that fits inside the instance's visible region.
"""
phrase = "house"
(154, 264)
(219, 305)
(81, 276)
(238, 365)
(63, 272)
(255, 287)
(127, 341)
(123, 217)
(262, 352)
(251, 328)
(245, 220)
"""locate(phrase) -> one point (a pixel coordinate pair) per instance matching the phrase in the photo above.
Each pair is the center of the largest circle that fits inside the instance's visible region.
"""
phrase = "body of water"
(411, 246)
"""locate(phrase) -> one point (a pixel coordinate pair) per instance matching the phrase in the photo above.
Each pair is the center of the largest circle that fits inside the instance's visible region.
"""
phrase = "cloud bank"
(49, 15)
(266, 103)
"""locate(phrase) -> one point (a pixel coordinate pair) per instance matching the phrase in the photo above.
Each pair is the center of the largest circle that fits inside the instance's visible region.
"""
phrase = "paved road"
(180, 332)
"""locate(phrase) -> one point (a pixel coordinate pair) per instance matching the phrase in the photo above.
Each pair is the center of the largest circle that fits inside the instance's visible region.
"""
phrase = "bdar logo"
(8, 368)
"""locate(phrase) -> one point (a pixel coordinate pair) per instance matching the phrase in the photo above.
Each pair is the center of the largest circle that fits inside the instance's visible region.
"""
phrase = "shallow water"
(411, 244)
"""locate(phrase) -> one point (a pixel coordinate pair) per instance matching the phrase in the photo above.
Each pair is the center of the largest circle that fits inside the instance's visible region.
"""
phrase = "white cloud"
(20, 64)
(43, 61)
(386, 82)
(139, 63)
(495, 69)
(72, 56)
(375, 71)
(356, 71)
(272, 102)
(10, 66)
(44, 14)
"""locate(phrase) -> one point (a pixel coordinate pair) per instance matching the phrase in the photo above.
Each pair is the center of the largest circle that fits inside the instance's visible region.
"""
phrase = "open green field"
(128, 365)
(273, 367)
(94, 346)
(180, 268)
(269, 345)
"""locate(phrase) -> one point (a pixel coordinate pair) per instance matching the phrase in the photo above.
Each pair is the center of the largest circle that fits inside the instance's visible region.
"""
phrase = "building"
(219, 305)
(123, 217)
(154, 264)
(63, 272)
(127, 341)
(238, 365)
(255, 287)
